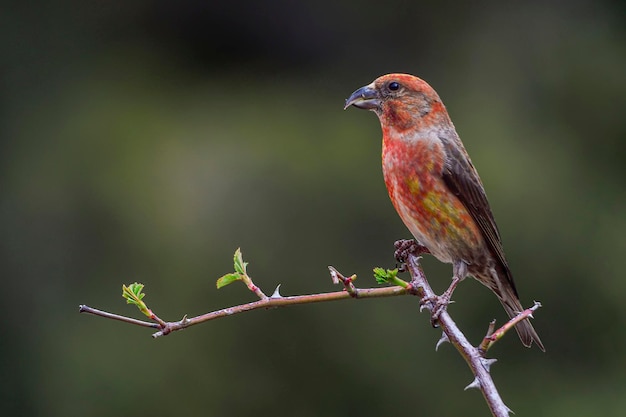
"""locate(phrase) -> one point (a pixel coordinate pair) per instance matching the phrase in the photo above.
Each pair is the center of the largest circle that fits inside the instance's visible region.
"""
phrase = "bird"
(435, 188)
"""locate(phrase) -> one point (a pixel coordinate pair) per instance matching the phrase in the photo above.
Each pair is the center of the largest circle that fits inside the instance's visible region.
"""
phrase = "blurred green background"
(147, 140)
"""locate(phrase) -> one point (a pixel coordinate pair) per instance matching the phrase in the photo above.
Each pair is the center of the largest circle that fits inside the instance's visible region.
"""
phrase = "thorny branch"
(408, 253)
(451, 333)
(275, 300)
(474, 356)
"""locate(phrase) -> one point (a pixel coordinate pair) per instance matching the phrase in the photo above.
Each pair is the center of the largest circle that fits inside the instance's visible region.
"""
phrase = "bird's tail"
(525, 330)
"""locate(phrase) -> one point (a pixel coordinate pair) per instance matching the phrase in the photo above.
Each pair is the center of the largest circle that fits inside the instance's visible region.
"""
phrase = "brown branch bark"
(264, 303)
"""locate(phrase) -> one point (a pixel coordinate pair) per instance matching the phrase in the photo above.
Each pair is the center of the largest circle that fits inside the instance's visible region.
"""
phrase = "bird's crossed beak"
(364, 98)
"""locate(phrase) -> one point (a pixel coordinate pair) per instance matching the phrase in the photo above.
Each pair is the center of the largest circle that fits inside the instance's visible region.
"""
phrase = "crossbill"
(435, 188)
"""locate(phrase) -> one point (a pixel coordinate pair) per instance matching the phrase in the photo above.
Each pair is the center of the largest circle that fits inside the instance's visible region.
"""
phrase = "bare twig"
(493, 336)
(105, 314)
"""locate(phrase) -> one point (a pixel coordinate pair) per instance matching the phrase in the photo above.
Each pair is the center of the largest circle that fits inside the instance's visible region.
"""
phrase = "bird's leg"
(404, 248)
(440, 303)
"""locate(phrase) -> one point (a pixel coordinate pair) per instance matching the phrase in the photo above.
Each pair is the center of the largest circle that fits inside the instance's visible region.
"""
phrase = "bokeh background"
(147, 140)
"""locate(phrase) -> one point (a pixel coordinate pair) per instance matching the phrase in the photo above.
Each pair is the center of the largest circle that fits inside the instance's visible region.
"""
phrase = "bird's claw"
(437, 305)
(404, 248)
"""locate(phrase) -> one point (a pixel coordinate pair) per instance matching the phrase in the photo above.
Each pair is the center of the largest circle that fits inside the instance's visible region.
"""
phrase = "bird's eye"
(393, 86)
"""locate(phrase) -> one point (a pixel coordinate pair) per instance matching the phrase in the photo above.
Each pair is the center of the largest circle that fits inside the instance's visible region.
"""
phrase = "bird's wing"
(462, 179)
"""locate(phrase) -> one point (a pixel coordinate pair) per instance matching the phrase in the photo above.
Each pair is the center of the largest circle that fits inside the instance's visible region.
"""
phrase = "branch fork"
(408, 253)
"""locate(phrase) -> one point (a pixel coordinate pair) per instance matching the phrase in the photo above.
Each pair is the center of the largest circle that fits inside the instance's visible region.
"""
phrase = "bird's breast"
(435, 216)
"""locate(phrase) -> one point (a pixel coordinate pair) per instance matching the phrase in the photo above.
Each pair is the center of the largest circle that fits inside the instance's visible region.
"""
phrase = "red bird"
(435, 188)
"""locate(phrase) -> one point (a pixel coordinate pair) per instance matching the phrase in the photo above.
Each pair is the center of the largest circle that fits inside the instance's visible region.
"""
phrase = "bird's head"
(401, 100)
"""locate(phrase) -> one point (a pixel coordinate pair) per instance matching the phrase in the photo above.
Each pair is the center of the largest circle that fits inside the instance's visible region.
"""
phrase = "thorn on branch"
(475, 384)
(488, 362)
(173, 326)
(443, 339)
(276, 293)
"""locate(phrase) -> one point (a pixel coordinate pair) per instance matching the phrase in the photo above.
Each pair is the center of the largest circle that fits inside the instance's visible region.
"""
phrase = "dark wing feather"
(462, 179)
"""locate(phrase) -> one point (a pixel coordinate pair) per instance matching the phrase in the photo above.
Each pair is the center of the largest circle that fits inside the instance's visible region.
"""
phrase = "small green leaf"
(228, 279)
(133, 294)
(240, 265)
(384, 276)
(380, 275)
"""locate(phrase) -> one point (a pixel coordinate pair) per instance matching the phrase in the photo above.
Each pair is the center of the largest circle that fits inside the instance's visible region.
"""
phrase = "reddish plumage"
(435, 188)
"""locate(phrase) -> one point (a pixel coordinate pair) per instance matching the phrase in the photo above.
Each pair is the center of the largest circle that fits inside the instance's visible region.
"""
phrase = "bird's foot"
(437, 305)
(406, 247)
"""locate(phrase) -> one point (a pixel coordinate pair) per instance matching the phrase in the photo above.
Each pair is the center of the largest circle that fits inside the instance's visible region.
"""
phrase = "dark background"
(147, 140)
